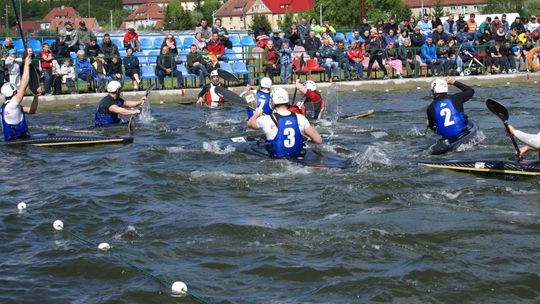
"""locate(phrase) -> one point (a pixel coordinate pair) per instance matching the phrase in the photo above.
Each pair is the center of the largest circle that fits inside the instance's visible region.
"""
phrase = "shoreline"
(187, 96)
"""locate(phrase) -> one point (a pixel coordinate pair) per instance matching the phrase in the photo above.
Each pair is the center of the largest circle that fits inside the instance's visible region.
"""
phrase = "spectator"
(391, 36)
(285, 61)
(108, 48)
(303, 29)
(435, 21)
(508, 54)
(131, 39)
(471, 24)
(100, 66)
(270, 60)
(292, 35)
(92, 49)
(68, 75)
(450, 26)
(464, 37)
(413, 22)
(379, 25)
(47, 58)
(327, 58)
(315, 27)
(13, 67)
(500, 36)
(391, 25)
(407, 56)
(365, 35)
(443, 53)
(166, 66)
(486, 37)
(439, 33)
(200, 42)
(505, 24)
(115, 71)
(485, 24)
(330, 40)
(533, 25)
(84, 69)
(313, 44)
(355, 37)
(204, 29)
(276, 39)
(329, 29)
(500, 63)
(376, 50)
(342, 59)
(429, 57)
(216, 50)
(132, 68)
(405, 25)
(425, 25)
(460, 23)
(454, 57)
(404, 35)
(222, 33)
(261, 34)
(70, 36)
(519, 56)
(518, 26)
(196, 64)
(170, 42)
(524, 37)
(417, 39)
(364, 25)
(56, 78)
(356, 57)
(60, 49)
(392, 59)
(496, 24)
(84, 35)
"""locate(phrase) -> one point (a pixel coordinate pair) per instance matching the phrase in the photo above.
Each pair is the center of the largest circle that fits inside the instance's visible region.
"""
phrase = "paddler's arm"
(134, 103)
(123, 111)
(466, 91)
(431, 118)
(25, 79)
(300, 86)
(252, 121)
(201, 94)
(32, 109)
(531, 140)
(313, 135)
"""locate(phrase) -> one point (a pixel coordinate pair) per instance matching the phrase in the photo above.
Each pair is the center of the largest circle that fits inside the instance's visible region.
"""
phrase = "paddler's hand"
(258, 112)
(247, 88)
(450, 80)
(143, 99)
(136, 111)
(199, 101)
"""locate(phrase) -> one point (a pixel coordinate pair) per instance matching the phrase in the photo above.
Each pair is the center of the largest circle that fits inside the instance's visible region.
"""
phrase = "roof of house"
(431, 3)
(59, 13)
(234, 8)
(147, 11)
(284, 6)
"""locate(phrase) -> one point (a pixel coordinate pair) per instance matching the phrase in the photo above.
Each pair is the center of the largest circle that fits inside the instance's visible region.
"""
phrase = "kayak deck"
(488, 167)
(442, 146)
(68, 139)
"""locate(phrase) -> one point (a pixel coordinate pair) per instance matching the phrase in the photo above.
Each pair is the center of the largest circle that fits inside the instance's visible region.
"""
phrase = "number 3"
(289, 142)
(447, 114)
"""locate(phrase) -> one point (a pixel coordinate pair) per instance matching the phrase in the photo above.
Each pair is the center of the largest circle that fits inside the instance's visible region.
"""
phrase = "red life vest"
(211, 96)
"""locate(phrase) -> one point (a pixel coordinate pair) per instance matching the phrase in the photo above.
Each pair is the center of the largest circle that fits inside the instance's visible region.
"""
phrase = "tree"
(522, 7)
(284, 23)
(176, 17)
(438, 9)
(208, 9)
(259, 19)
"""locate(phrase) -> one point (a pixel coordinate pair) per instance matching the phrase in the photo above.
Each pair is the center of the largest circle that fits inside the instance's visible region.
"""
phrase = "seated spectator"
(500, 62)
(196, 64)
(216, 50)
(270, 60)
(84, 35)
(56, 78)
(100, 66)
(115, 71)
(313, 44)
(329, 29)
(379, 25)
(92, 49)
(327, 58)
(166, 66)
(519, 56)
(355, 37)
(500, 36)
(407, 56)
(454, 57)
(303, 29)
(417, 39)
(518, 26)
(533, 25)
(391, 25)
(261, 35)
(204, 29)
(68, 75)
(450, 27)
(222, 33)
(325, 35)
(60, 49)
(405, 25)
(413, 22)
(392, 59)
(293, 35)
(276, 39)
(425, 26)
(443, 52)
(342, 59)
(85, 70)
(435, 21)
(200, 42)
(506, 52)
(364, 25)
(486, 37)
(132, 68)
(356, 57)
(108, 48)
(524, 37)
(170, 42)
(402, 36)
(485, 25)
(285, 61)
(365, 35)
(496, 24)
(315, 27)
(131, 39)
(460, 23)
(439, 33)
(391, 36)
(464, 37)
(472, 25)
(429, 57)
(69, 35)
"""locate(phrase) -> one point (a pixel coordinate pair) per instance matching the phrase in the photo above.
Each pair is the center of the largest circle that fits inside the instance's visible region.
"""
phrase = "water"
(239, 229)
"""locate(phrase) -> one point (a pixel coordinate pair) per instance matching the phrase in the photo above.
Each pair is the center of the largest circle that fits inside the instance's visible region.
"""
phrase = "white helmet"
(114, 86)
(214, 73)
(439, 86)
(310, 85)
(280, 96)
(266, 83)
(8, 90)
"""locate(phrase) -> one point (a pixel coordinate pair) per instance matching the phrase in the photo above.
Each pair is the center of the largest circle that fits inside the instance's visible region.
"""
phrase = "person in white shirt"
(531, 141)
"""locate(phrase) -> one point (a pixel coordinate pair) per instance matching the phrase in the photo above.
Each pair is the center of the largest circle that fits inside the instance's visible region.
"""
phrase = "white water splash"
(216, 149)
(415, 132)
(451, 196)
(373, 155)
(178, 149)
(520, 191)
(379, 134)
(287, 170)
(471, 144)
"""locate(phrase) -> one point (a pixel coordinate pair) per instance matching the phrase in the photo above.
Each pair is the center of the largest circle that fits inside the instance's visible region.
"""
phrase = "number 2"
(289, 142)
(447, 114)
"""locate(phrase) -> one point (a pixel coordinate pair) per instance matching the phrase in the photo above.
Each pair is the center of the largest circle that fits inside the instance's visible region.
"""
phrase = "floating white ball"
(507, 83)
(354, 90)
(104, 246)
(387, 90)
(535, 81)
(418, 88)
(58, 225)
(77, 105)
(179, 288)
(161, 102)
(21, 206)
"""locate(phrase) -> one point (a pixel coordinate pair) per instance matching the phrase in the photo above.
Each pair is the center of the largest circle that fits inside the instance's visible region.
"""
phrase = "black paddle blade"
(33, 82)
(230, 96)
(225, 75)
(150, 88)
(497, 109)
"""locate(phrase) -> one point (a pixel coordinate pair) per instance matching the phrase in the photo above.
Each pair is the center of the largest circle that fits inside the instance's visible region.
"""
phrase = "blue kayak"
(442, 146)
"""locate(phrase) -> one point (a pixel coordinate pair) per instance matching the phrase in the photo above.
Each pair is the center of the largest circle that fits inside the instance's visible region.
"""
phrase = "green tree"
(522, 7)
(176, 17)
(438, 9)
(286, 21)
(208, 8)
(259, 19)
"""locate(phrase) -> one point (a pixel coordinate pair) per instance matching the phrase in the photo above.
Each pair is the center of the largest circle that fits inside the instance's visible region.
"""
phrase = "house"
(238, 14)
(91, 23)
(135, 4)
(451, 7)
(148, 14)
(59, 13)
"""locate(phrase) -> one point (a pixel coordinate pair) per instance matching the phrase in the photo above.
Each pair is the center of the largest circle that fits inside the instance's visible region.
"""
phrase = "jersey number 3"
(447, 114)
(290, 141)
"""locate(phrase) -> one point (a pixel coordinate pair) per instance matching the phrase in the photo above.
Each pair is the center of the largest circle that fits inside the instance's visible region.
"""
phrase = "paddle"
(230, 96)
(301, 65)
(501, 112)
(227, 76)
(131, 121)
(357, 115)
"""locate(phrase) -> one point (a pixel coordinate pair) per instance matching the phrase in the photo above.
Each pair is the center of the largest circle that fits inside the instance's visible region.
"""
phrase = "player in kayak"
(112, 105)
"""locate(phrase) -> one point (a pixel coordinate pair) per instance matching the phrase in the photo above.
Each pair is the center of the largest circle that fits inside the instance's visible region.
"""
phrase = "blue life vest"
(449, 122)
(12, 132)
(262, 97)
(289, 141)
(107, 118)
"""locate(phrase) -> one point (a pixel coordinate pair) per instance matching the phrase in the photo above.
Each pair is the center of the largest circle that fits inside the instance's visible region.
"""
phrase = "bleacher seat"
(35, 45)
(19, 46)
(182, 68)
(349, 36)
(240, 68)
(158, 41)
(231, 54)
(49, 41)
(340, 37)
(235, 40)
(146, 43)
(248, 41)
(188, 41)
(152, 57)
(117, 42)
(148, 73)
(143, 60)
(226, 66)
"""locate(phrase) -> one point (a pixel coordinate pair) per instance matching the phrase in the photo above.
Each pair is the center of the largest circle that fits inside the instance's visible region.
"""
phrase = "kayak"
(494, 167)
(357, 115)
(310, 158)
(442, 146)
(68, 139)
(128, 126)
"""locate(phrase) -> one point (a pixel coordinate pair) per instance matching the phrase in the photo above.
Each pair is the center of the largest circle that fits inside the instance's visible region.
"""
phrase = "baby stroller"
(471, 64)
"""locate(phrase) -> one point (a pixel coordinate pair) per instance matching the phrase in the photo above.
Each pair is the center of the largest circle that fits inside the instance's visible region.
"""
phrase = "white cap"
(310, 85)
(266, 83)
(214, 73)
(280, 96)
(114, 86)
(8, 90)
(439, 86)
(179, 288)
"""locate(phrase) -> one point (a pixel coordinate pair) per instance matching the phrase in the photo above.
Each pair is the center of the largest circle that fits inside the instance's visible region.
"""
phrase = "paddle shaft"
(19, 23)
(501, 112)
(513, 140)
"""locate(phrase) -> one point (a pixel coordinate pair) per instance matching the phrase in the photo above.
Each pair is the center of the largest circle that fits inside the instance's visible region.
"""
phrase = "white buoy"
(535, 82)
(58, 225)
(161, 102)
(21, 206)
(507, 83)
(77, 105)
(387, 90)
(418, 88)
(104, 246)
(354, 90)
(179, 288)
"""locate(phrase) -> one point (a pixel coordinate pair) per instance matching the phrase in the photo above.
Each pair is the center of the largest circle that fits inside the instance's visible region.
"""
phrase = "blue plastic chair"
(143, 60)
(240, 68)
(231, 54)
(19, 46)
(235, 40)
(182, 68)
(146, 43)
(248, 41)
(188, 41)
(118, 43)
(148, 73)
(1, 42)
(158, 41)
(340, 36)
(49, 41)
(152, 57)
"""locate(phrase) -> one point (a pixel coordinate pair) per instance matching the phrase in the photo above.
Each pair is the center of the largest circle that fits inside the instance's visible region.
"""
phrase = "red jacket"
(130, 36)
(357, 53)
(44, 63)
(216, 47)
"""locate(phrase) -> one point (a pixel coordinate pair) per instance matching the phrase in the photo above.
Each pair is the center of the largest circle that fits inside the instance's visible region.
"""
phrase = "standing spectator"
(407, 56)
(276, 39)
(84, 35)
(391, 36)
(508, 54)
(364, 25)
(460, 23)
(56, 78)
(518, 25)
(204, 29)
(85, 69)
(261, 34)
(270, 60)
(505, 24)
(195, 65)
(472, 25)
(216, 50)
(443, 51)
(13, 67)
(312, 45)
(47, 58)
(327, 58)
(115, 71)
(329, 29)
(343, 60)
(222, 33)
(4, 54)
(68, 75)
(417, 39)
(200, 42)
(70, 36)
(425, 25)
(108, 48)
(292, 35)
(519, 56)
(166, 66)
(429, 56)
(91, 50)
(131, 39)
(533, 25)
(315, 27)
(450, 26)
(393, 60)
(356, 57)
(303, 29)
(391, 25)
(100, 66)
(285, 61)
(439, 33)
(60, 49)
(376, 50)
(170, 42)
(132, 68)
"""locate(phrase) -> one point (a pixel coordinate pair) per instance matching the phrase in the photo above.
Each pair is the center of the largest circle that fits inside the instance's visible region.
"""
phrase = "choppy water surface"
(239, 229)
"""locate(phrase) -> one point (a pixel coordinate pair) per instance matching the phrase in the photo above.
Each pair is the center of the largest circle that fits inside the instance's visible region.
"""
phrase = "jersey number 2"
(447, 114)
(290, 141)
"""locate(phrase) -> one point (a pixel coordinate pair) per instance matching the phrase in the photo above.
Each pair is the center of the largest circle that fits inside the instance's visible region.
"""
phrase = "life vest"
(261, 98)
(12, 132)
(107, 118)
(212, 98)
(449, 122)
(316, 99)
(288, 141)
